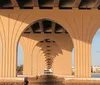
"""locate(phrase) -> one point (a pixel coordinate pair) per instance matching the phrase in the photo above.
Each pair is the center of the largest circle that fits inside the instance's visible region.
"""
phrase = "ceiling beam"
(49, 57)
(46, 59)
(53, 27)
(96, 4)
(49, 64)
(35, 3)
(41, 26)
(49, 61)
(56, 3)
(29, 30)
(14, 3)
(76, 3)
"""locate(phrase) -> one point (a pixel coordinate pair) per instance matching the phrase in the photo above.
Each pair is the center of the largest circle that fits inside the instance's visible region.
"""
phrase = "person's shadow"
(26, 81)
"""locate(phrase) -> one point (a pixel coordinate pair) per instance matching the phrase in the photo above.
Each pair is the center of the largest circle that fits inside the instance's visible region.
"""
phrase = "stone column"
(28, 46)
(63, 62)
(9, 41)
(41, 62)
(82, 27)
(12, 24)
(82, 59)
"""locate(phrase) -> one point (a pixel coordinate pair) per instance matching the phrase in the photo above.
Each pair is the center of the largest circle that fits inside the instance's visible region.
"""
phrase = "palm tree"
(20, 69)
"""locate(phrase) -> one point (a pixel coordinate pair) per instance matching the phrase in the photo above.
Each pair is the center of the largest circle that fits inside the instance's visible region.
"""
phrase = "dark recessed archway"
(45, 26)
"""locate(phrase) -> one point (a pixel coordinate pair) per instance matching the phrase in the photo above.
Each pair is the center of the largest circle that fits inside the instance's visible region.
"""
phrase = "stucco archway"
(64, 39)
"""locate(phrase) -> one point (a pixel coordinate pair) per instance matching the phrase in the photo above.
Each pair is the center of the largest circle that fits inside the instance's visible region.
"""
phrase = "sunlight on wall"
(0, 50)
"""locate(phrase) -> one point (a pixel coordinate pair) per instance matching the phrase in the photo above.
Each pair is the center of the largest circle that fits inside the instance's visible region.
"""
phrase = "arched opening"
(44, 29)
(44, 53)
(20, 60)
(95, 66)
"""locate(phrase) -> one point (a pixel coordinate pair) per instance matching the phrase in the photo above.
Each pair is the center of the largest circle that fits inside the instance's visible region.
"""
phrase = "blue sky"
(96, 49)
(20, 55)
(95, 60)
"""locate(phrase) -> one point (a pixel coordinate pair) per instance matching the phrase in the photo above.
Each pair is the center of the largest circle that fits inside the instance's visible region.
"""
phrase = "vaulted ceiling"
(50, 49)
(45, 26)
(49, 4)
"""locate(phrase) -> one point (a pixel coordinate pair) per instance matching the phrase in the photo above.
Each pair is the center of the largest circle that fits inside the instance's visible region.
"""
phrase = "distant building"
(96, 69)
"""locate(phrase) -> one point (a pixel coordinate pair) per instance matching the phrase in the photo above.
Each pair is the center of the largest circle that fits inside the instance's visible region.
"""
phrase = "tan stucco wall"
(81, 25)
(28, 46)
(63, 62)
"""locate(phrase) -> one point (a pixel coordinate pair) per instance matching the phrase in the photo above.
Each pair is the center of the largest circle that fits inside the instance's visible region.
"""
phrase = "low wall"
(82, 81)
(34, 81)
(11, 81)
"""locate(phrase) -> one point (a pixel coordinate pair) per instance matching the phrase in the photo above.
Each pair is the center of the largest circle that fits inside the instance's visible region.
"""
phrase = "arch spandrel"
(58, 38)
(30, 18)
(25, 19)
